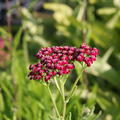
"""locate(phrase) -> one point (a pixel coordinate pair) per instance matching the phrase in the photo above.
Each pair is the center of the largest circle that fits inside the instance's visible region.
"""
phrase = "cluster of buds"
(58, 60)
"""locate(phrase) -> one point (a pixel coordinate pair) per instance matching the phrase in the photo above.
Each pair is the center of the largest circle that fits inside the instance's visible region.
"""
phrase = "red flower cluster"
(58, 60)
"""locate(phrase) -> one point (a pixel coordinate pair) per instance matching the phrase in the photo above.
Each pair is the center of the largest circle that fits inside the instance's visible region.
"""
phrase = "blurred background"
(28, 25)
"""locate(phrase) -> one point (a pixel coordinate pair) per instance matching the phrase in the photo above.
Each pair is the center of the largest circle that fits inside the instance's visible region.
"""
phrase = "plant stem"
(57, 85)
(82, 16)
(74, 85)
(54, 103)
(60, 85)
(63, 98)
(26, 54)
(64, 106)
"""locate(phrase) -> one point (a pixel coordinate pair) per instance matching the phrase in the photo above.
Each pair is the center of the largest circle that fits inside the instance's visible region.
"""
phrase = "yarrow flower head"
(59, 60)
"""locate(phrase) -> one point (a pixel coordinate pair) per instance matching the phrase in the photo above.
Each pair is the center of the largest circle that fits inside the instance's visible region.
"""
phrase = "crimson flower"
(59, 60)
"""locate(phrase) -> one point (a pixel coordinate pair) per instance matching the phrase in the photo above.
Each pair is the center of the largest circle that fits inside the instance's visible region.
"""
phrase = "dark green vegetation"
(97, 22)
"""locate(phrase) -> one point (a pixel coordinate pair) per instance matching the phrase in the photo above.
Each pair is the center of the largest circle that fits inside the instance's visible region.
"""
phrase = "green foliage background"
(99, 90)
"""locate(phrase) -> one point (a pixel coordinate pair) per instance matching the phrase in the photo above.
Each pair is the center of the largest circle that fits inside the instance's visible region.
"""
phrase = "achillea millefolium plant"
(56, 62)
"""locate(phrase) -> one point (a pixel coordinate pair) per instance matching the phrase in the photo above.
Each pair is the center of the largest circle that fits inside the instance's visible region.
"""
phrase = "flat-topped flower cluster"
(58, 60)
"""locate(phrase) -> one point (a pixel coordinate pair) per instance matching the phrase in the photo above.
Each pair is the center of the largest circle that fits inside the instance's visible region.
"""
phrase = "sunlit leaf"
(17, 38)
(106, 11)
(113, 21)
(61, 12)
(2, 106)
(116, 3)
(106, 72)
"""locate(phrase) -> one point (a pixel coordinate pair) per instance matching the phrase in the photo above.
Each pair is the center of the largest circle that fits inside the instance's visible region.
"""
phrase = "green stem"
(60, 85)
(64, 106)
(26, 54)
(63, 97)
(81, 14)
(54, 103)
(75, 85)
(57, 85)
